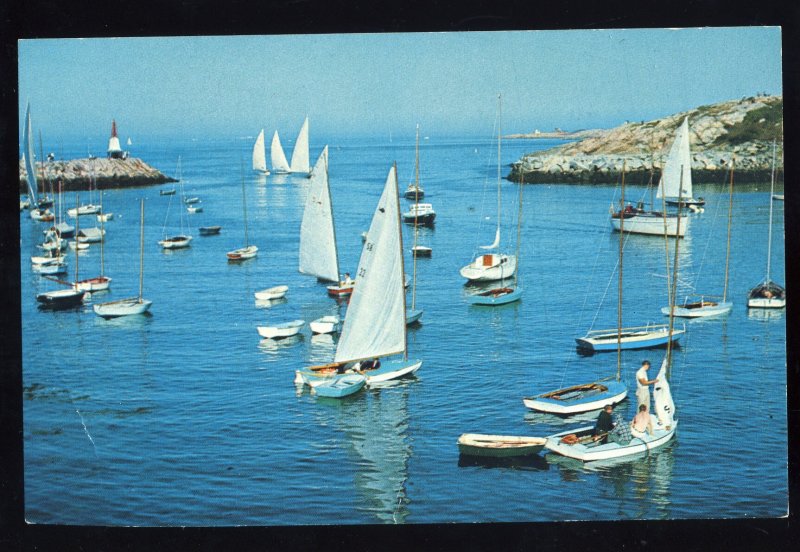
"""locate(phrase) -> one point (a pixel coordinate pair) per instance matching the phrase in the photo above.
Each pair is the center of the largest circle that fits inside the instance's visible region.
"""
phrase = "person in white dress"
(643, 385)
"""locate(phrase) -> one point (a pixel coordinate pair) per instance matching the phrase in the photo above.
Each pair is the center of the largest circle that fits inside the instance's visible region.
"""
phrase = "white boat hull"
(272, 293)
(764, 303)
(325, 325)
(101, 283)
(83, 210)
(594, 451)
(123, 307)
(281, 331)
(242, 254)
(715, 309)
(176, 242)
(490, 267)
(652, 224)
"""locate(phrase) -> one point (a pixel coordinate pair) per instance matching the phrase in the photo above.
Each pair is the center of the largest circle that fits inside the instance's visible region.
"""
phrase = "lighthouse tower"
(114, 149)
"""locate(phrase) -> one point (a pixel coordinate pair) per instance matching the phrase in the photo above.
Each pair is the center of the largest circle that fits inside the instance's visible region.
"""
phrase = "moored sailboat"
(768, 294)
(183, 239)
(98, 283)
(248, 251)
(132, 305)
(489, 267)
(375, 324)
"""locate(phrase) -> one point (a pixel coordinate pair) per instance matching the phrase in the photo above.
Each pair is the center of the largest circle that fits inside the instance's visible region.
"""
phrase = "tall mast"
(728, 248)
(674, 280)
(141, 250)
(402, 261)
(519, 227)
(244, 206)
(619, 283)
(771, 191)
(416, 217)
(499, 140)
(330, 203)
(77, 231)
(102, 235)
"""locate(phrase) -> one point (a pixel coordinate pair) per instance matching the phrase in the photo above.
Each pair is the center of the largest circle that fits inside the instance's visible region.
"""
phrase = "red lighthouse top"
(113, 128)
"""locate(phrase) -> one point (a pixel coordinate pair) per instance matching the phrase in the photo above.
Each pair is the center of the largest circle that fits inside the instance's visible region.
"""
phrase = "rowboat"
(281, 331)
(340, 386)
(325, 325)
(499, 446)
(271, 293)
(209, 230)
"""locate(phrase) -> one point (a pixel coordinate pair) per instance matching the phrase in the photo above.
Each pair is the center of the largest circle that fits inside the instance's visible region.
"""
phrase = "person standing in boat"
(643, 385)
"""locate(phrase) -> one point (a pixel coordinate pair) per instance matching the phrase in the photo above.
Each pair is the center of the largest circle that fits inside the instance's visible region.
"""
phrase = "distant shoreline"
(81, 174)
(560, 135)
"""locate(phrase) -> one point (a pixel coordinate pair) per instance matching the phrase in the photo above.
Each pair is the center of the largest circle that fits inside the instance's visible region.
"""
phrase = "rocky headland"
(741, 129)
(76, 174)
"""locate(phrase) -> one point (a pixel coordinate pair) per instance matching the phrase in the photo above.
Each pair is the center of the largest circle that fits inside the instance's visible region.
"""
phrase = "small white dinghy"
(325, 325)
(281, 331)
(268, 294)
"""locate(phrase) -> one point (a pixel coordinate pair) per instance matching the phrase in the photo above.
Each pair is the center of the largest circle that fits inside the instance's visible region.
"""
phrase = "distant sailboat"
(260, 155)
(133, 305)
(129, 142)
(658, 223)
(279, 163)
(318, 253)
(248, 251)
(63, 298)
(375, 324)
(183, 239)
(676, 179)
(414, 190)
(98, 283)
(492, 266)
(300, 155)
(699, 306)
(38, 211)
(768, 294)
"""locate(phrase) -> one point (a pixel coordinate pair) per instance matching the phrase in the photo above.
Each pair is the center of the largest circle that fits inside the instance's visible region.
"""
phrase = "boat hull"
(593, 451)
(764, 303)
(176, 242)
(563, 403)
(209, 230)
(325, 325)
(101, 283)
(60, 299)
(704, 311)
(414, 194)
(413, 316)
(421, 251)
(640, 339)
(499, 446)
(340, 291)
(491, 267)
(426, 219)
(242, 254)
(272, 293)
(392, 369)
(340, 386)
(491, 298)
(281, 331)
(123, 307)
(652, 224)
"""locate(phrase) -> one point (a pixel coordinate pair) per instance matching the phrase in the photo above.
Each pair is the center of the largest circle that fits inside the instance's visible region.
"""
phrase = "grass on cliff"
(753, 128)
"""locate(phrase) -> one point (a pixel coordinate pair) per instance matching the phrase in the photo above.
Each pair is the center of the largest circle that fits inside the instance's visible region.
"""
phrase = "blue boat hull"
(628, 345)
(496, 300)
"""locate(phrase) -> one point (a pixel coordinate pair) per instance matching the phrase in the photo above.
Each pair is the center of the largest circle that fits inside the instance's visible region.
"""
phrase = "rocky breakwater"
(744, 129)
(76, 174)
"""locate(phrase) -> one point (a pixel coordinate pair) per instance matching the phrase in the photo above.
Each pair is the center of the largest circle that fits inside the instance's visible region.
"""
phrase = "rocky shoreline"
(76, 174)
(742, 130)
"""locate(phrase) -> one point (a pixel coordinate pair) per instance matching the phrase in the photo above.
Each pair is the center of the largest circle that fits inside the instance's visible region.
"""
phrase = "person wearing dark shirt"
(604, 424)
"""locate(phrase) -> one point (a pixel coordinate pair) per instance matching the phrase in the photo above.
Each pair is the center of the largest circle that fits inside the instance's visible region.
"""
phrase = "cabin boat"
(421, 214)
(767, 295)
(490, 267)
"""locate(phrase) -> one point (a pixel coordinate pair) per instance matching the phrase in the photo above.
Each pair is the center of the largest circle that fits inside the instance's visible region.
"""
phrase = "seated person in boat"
(347, 280)
(621, 433)
(373, 364)
(604, 424)
(642, 422)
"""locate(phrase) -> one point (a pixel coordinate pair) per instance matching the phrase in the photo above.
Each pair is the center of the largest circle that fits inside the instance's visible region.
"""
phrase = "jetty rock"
(76, 174)
(741, 129)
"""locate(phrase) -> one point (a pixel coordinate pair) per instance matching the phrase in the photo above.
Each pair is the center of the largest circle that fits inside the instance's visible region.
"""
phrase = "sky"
(374, 84)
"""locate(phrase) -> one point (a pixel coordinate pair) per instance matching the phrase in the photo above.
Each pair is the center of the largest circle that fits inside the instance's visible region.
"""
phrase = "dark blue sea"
(186, 417)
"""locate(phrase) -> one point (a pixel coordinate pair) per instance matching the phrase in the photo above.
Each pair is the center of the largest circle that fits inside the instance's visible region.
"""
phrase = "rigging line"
(487, 160)
(710, 234)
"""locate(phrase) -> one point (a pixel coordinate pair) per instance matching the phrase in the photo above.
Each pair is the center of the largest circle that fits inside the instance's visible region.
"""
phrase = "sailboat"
(419, 213)
(699, 306)
(676, 176)
(260, 155)
(300, 157)
(492, 266)
(182, 240)
(63, 298)
(90, 208)
(413, 315)
(279, 163)
(248, 251)
(632, 337)
(768, 294)
(375, 324)
(414, 190)
(674, 185)
(504, 294)
(132, 305)
(98, 283)
(38, 209)
(594, 395)
(581, 445)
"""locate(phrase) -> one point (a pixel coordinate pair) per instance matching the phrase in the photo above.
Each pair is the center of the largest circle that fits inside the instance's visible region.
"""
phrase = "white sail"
(318, 256)
(29, 158)
(496, 241)
(664, 407)
(300, 161)
(279, 163)
(375, 323)
(679, 157)
(259, 154)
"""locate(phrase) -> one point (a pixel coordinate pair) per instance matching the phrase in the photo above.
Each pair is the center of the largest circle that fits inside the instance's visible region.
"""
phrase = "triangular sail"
(279, 162)
(300, 160)
(318, 256)
(679, 158)
(375, 321)
(29, 157)
(664, 407)
(495, 243)
(259, 154)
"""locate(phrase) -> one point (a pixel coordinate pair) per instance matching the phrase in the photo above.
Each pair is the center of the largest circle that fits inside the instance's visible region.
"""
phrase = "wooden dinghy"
(499, 446)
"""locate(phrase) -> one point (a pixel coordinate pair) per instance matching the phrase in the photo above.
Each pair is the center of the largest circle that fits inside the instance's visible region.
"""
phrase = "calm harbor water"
(186, 417)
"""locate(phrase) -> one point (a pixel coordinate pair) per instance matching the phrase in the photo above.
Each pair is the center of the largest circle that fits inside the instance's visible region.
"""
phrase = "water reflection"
(375, 425)
(274, 347)
(533, 462)
(269, 303)
(765, 315)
